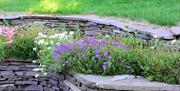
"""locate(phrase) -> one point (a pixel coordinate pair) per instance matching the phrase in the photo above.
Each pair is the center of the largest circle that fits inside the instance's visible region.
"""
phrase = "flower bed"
(58, 50)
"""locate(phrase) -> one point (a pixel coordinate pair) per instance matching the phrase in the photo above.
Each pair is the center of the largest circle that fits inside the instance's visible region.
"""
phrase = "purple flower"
(126, 67)
(81, 45)
(55, 54)
(109, 57)
(120, 44)
(96, 51)
(83, 55)
(101, 42)
(104, 65)
(116, 44)
(99, 56)
(105, 53)
(62, 48)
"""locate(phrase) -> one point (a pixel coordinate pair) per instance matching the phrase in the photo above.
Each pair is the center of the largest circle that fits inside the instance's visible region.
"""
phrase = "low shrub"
(22, 48)
(2, 48)
(113, 55)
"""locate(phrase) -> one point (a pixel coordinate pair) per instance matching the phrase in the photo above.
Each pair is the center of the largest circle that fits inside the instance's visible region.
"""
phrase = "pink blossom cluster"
(8, 33)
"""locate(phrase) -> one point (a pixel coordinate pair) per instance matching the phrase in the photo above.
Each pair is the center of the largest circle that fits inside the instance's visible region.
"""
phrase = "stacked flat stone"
(95, 25)
(16, 75)
(20, 76)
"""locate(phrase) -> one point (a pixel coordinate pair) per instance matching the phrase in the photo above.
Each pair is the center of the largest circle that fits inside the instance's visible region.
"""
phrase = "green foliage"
(160, 65)
(2, 48)
(22, 48)
(6, 22)
(151, 59)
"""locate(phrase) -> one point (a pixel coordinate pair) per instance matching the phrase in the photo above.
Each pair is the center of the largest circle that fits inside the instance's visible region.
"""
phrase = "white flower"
(44, 36)
(0, 31)
(66, 32)
(155, 36)
(71, 33)
(173, 42)
(35, 41)
(43, 66)
(46, 43)
(40, 51)
(51, 42)
(34, 61)
(57, 43)
(40, 42)
(49, 48)
(45, 73)
(34, 49)
(40, 34)
(36, 69)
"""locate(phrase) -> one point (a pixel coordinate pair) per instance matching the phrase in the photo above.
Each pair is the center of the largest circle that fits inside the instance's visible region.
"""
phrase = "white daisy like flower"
(34, 61)
(41, 41)
(49, 48)
(173, 41)
(40, 34)
(45, 73)
(71, 33)
(34, 49)
(46, 43)
(51, 42)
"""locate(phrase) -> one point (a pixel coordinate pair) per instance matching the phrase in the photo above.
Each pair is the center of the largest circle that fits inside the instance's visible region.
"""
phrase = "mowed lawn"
(162, 12)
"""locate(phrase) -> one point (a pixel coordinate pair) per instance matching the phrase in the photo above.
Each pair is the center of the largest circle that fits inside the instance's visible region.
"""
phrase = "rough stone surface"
(24, 80)
(104, 24)
(175, 30)
(18, 80)
(124, 82)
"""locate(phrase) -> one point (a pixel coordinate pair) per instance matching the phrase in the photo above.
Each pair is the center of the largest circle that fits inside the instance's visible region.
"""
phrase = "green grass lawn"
(163, 12)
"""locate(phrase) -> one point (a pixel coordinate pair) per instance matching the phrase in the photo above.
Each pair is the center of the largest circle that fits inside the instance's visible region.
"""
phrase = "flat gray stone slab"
(175, 30)
(157, 33)
(124, 82)
(9, 16)
(127, 26)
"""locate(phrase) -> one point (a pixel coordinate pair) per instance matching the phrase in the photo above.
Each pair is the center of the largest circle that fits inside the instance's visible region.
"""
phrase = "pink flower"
(8, 33)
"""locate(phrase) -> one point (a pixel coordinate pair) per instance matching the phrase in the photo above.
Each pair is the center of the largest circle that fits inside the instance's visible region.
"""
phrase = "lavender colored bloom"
(116, 44)
(104, 65)
(83, 55)
(96, 51)
(126, 67)
(90, 40)
(62, 48)
(99, 56)
(55, 54)
(105, 53)
(81, 45)
(120, 44)
(101, 43)
(125, 47)
(109, 57)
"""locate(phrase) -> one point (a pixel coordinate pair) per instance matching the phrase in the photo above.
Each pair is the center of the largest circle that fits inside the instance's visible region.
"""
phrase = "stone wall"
(94, 26)
(23, 75)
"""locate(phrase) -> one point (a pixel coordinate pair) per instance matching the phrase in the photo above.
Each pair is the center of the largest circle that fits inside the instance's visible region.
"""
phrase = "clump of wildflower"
(8, 33)
(62, 48)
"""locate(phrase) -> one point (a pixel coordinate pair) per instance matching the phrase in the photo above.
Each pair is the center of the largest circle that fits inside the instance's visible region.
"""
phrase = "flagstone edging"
(95, 25)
